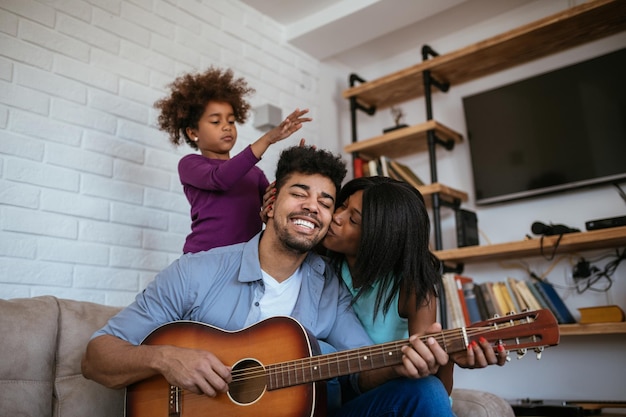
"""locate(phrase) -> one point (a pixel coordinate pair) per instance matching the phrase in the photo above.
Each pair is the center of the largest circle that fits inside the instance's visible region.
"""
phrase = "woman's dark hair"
(395, 234)
(189, 96)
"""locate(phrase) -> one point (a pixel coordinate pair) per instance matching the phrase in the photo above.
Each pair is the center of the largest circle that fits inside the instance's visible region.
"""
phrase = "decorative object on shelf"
(398, 117)
(466, 228)
(539, 228)
(267, 116)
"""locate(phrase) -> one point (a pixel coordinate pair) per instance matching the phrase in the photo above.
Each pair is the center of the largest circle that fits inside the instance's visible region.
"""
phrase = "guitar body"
(274, 341)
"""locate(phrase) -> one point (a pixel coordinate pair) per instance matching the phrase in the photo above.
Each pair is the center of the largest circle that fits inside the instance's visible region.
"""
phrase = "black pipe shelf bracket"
(354, 103)
(455, 204)
(456, 269)
(446, 144)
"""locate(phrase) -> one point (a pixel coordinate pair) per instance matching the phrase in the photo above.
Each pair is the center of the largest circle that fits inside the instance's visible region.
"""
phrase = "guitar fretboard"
(318, 368)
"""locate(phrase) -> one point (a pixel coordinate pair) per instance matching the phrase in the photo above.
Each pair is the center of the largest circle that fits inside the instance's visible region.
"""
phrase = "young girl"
(225, 194)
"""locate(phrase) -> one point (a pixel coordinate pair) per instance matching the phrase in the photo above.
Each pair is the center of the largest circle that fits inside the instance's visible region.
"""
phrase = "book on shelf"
(471, 301)
(529, 299)
(480, 300)
(388, 167)
(487, 296)
(453, 303)
(520, 303)
(601, 314)
(505, 298)
(373, 167)
(555, 302)
(358, 167)
(459, 281)
(383, 163)
(537, 295)
(405, 173)
(496, 298)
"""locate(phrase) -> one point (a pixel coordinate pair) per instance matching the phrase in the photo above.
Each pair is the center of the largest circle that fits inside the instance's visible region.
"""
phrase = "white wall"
(581, 367)
(91, 206)
(90, 203)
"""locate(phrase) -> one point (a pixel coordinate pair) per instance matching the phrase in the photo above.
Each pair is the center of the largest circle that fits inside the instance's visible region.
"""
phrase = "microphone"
(539, 228)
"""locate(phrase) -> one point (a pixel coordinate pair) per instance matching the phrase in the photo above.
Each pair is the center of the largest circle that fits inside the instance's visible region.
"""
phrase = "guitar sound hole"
(248, 382)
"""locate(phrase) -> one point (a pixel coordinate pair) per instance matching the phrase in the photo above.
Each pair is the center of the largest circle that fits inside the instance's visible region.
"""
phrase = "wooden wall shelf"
(405, 141)
(448, 194)
(592, 328)
(572, 27)
(571, 242)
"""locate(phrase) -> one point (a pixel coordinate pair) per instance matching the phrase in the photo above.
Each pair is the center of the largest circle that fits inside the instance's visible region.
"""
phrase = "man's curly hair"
(310, 160)
(189, 96)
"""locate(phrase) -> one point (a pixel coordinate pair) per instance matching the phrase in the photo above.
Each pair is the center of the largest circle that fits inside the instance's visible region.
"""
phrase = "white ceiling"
(359, 32)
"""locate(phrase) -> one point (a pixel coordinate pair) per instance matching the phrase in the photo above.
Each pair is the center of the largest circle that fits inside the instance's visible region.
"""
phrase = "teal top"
(384, 327)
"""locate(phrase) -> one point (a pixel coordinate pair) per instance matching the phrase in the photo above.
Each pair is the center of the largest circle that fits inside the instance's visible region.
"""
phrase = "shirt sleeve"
(207, 174)
(163, 301)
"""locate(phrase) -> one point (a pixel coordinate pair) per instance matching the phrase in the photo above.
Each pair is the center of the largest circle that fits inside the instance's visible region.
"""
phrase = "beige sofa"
(43, 338)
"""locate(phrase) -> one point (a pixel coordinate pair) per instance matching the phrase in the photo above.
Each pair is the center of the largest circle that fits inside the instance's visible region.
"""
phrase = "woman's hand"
(268, 200)
(480, 355)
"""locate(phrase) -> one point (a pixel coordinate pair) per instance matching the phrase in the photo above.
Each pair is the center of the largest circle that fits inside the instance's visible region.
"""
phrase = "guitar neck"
(520, 331)
(318, 368)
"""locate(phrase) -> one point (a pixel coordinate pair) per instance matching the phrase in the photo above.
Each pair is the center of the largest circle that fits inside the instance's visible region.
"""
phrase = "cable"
(556, 246)
(597, 276)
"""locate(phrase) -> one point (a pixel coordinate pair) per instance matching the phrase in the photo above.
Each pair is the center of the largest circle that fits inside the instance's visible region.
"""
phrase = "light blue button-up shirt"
(222, 287)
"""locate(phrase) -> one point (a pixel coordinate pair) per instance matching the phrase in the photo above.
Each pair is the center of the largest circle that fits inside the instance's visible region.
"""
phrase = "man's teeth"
(304, 223)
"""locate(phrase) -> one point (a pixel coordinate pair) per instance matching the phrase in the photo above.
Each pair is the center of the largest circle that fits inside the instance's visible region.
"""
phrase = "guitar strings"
(444, 338)
(331, 359)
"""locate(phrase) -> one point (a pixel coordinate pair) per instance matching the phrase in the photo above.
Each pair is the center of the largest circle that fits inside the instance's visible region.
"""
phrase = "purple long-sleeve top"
(225, 198)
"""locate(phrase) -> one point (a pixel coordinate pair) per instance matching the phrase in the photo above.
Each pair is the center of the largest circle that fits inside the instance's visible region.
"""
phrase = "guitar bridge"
(174, 401)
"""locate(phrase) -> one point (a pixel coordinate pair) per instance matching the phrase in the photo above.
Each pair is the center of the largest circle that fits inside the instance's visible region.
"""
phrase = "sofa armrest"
(74, 394)
(28, 328)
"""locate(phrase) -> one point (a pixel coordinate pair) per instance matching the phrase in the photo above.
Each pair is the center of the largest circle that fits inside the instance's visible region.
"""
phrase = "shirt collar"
(251, 267)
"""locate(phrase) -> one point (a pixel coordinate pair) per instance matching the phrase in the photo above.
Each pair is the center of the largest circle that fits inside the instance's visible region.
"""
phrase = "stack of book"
(386, 167)
(469, 302)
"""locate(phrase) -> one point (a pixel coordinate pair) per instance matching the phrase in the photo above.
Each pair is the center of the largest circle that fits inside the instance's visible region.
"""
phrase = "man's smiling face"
(303, 210)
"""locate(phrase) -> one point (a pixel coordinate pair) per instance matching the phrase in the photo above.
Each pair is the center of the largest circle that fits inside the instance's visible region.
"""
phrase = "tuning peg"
(539, 351)
(521, 353)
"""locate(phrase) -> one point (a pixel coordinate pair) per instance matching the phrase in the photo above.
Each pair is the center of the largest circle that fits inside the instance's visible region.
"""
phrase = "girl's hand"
(290, 125)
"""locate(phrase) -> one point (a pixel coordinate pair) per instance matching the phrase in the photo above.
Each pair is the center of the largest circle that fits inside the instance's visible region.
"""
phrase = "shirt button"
(256, 304)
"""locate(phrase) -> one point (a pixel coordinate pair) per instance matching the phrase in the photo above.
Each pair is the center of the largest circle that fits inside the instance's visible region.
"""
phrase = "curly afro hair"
(309, 160)
(189, 96)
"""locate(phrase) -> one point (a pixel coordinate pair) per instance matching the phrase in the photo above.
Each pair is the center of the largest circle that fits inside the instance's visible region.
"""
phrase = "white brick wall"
(90, 203)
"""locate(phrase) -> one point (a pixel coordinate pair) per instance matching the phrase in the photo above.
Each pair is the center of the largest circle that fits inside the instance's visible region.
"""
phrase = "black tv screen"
(556, 131)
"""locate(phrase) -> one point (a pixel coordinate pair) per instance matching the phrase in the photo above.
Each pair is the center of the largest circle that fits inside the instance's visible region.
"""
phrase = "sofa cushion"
(472, 403)
(28, 329)
(75, 395)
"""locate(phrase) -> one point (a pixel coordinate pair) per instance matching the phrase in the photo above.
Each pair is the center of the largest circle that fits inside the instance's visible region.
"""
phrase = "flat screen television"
(552, 132)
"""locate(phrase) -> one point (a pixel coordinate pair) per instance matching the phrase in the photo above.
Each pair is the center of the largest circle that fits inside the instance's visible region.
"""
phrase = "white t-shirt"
(280, 298)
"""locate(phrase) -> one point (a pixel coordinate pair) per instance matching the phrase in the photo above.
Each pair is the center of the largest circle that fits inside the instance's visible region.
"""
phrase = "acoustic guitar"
(275, 371)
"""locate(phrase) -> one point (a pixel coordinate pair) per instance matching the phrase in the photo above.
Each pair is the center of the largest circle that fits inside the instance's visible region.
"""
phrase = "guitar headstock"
(530, 329)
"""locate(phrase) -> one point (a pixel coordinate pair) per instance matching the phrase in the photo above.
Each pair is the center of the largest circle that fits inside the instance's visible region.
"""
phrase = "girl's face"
(344, 233)
(216, 130)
